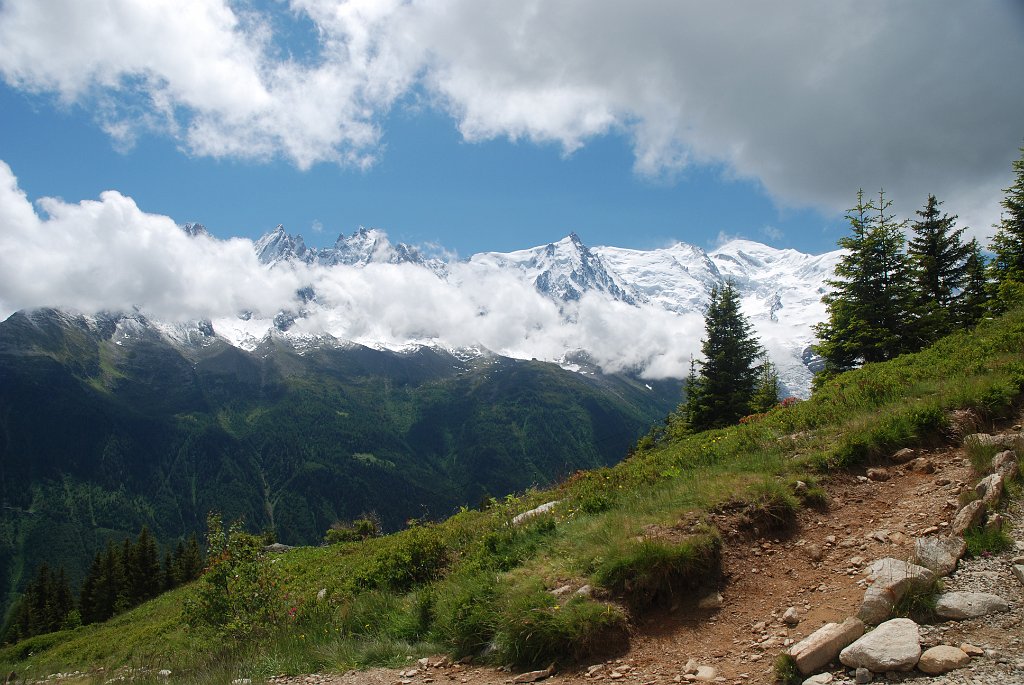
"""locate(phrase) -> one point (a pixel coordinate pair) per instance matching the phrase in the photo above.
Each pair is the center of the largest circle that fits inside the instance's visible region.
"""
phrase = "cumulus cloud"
(109, 255)
(810, 99)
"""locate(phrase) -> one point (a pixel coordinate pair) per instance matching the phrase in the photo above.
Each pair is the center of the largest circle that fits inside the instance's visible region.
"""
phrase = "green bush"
(645, 571)
(240, 594)
(402, 561)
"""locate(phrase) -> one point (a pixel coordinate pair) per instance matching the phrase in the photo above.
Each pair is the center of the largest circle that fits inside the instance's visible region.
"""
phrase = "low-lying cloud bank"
(109, 255)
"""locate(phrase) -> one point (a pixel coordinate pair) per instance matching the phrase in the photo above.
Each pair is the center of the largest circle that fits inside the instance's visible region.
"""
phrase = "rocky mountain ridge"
(780, 291)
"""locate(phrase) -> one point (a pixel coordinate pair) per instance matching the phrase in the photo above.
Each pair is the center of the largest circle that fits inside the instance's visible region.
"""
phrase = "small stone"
(241, 681)
(706, 674)
(562, 591)
(961, 605)
(712, 601)
(534, 676)
(814, 552)
(424, 662)
(921, 465)
(1018, 572)
(164, 673)
(791, 618)
(862, 675)
(903, 456)
(994, 523)
(585, 591)
(321, 594)
(819, 679)
(691, 667)
(971, 650)
(537, 511)
(942, 659)
(877, 474)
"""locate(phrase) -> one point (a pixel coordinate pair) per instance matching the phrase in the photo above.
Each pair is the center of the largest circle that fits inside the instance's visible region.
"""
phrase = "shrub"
(919, 602)
(402, 561)
(240, 594)
(644, 571)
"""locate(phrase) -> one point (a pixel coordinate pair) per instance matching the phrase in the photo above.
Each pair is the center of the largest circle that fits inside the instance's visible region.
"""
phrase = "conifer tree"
(869, 306)
(142, 569)
(1007, 266)
(721, 394)
(972, 303)
(938, 263)
(766, 387)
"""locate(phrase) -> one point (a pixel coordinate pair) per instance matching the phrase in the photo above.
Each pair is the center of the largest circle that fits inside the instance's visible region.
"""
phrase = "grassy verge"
(477, 585)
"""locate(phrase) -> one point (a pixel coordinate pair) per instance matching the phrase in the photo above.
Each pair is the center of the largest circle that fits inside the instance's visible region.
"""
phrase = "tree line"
(119, 578)
(891, 294)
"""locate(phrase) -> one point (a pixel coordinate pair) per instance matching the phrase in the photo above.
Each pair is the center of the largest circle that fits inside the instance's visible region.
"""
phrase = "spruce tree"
(1007, 266)
(766, 387)
(972, 303)
(938, 263)
(722, 392)
(869, 305)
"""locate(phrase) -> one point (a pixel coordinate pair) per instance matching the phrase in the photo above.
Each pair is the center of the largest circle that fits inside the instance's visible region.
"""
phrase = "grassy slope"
(481, 583)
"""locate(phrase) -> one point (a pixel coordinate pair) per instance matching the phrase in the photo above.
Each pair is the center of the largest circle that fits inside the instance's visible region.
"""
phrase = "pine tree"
(869, 306)
(88, 598)
(722, 392)
(972, 303)
(938, 263)
(1007, 266)
(142, 568)
(766, 388)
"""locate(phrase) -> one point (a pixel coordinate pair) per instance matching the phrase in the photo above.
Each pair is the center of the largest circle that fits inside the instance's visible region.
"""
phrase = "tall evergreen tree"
(870, 299)
(938, 263)
(972, 303)
(722, 392)
(142, 569)
(1007, 266)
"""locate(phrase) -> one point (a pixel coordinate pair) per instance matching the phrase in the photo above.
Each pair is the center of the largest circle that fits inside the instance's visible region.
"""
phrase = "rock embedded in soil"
(904, 455)
(890, 580)
(823, 645)
(942, 659)
(961, 605)
(1006, 465)
(969, 517)
(791, 617)
(939, 554)
(893, 646)
(990, 489)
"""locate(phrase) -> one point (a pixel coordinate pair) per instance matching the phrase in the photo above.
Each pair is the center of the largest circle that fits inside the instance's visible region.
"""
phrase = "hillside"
(108, 424)
(682, 518)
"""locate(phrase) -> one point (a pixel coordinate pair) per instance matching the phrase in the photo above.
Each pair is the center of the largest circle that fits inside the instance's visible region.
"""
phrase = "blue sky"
(429, 186)
(494, 126)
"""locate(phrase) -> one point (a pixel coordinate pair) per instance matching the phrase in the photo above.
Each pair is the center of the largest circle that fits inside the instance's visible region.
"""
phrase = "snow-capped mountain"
(780, 291)
(563, 270)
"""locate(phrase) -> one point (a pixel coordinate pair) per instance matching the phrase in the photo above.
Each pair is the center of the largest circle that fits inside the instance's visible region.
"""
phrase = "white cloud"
(109, 255)
(811, 99)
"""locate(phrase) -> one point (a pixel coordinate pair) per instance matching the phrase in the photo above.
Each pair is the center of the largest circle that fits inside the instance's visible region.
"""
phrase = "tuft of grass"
(785, 671)
(980, 456)
(982, 542)
(919, 602)
(773, 507)
(537, 629)
(645, 571)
